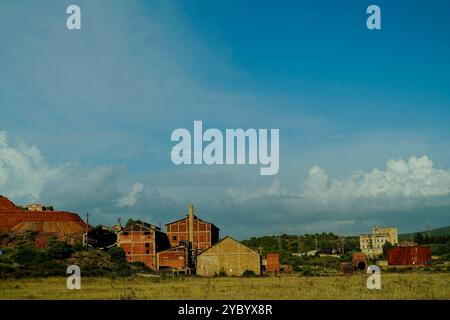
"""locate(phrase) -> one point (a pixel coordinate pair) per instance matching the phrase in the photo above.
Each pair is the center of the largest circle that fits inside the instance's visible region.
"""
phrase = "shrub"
(444, 257)
(26, 254)
(140, 267)
(93, 262)
(222, 273)
(117, 254)
(58, 249)
(120, 265)
(128, 295)
(306, 271)
(249, 273)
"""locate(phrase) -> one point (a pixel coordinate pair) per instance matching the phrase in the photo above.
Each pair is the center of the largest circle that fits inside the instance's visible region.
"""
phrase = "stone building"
(372, 244)
(229, 256)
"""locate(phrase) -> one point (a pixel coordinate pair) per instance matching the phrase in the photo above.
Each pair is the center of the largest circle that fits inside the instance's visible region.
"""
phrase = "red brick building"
(141, 241)
(176, 258)
(199, 233)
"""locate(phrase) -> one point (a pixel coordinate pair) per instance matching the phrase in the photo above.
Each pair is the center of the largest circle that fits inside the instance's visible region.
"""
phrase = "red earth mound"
(59, 223)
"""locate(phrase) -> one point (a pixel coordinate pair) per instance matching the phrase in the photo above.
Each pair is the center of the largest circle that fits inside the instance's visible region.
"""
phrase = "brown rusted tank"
(360, 261)
(419, 256)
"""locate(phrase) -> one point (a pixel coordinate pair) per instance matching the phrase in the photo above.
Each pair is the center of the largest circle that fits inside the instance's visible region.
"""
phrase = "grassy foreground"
(394, 286)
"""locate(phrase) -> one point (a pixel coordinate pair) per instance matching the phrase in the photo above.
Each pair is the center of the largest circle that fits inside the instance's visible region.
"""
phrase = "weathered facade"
(372, 244)
(229, 256)
(410, 256)
(199, 233)
(141, 241)
(176, 258)
(100, 237)
(35, 207)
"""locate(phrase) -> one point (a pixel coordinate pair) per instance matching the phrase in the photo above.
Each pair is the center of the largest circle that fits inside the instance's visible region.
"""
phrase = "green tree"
(129, 222)
(58, 249)
(419, 238)
(27, 254)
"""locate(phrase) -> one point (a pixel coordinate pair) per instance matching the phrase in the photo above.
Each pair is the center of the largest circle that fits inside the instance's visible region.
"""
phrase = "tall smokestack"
(191, 223)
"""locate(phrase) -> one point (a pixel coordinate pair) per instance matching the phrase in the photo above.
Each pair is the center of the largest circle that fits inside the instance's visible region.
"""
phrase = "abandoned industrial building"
(372, 244)
(141, 241)
(190, 245)
(229, 256)
(199, 233)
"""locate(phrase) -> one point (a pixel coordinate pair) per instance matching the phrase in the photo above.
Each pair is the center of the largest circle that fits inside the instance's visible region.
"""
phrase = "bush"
(118, 258)
(249, 273)
(306, 271)
(93, 263)
(440, 249)
(140, 267)
(444, 257)
(128, 295)
(222, 273)
(117, 254)
(58, 249)
(26, 254)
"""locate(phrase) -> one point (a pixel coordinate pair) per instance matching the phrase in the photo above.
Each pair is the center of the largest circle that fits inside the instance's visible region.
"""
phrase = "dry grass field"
(394, 286)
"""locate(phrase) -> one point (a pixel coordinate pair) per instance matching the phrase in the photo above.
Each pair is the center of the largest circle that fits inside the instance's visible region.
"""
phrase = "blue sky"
(86, 116)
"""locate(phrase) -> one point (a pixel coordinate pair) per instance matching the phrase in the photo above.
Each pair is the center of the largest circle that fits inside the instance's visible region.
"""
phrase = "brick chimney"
(191, 223)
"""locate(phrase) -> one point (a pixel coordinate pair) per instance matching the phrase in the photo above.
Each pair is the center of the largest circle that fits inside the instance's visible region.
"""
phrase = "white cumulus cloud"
(23, 170)
(414, 178)
(26, 176)
(130, 199)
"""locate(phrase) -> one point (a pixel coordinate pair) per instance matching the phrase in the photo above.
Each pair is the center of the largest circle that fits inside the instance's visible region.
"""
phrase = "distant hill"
(444, 231)
(287, 244)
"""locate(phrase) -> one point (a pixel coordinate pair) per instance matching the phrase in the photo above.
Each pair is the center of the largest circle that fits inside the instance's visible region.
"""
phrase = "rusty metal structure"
(360, 261)
(418, 256)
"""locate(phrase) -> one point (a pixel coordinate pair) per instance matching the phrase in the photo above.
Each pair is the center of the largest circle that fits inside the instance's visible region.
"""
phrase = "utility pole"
(87, 230)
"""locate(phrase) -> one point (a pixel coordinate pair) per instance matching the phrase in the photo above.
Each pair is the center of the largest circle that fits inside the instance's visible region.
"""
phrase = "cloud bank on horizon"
(26, 176)
(86, 116)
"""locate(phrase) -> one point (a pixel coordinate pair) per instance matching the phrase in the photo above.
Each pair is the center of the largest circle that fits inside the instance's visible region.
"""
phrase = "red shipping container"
(409, 256)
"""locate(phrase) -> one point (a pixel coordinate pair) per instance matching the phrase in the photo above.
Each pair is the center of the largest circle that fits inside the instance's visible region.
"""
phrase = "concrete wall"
(230, 256)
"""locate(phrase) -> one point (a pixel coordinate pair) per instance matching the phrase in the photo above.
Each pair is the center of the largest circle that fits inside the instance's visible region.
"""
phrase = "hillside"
(288, 244)
(439, 232)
